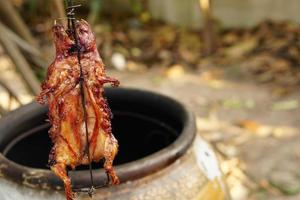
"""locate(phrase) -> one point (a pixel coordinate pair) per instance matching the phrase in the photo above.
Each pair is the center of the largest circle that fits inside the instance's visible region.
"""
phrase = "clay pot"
(160, 156)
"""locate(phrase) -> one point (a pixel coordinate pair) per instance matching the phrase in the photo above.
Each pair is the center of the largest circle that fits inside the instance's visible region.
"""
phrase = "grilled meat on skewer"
(61, 90)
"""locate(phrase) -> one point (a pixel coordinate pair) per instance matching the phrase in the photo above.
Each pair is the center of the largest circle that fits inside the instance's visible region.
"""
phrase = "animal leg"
(111, 174)
(102, 80)
(60, 170)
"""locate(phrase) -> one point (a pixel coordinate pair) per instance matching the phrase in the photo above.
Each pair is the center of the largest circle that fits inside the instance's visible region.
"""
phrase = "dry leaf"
(135, 67)
(297, 154)
(211, 75)
(118, 61)
(175, 71)
(242, 48)
(265, 184)
(284, 131)
(286, 105)
(250, 125)
(163, 37)
(238, 104)
(256, 128)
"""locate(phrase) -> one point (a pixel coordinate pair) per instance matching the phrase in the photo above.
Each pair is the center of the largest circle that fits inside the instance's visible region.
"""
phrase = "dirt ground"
(245, 95)
(255, 132)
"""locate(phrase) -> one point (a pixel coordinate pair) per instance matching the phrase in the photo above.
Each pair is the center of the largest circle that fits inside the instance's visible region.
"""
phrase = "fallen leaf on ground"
(163, 37)
(281, 91)
(135, 67)
(297, 154)
(256, 128)
(210, 75)
(242, 48)
(118, 61)
(238, 103)
(232, 103)
(229, 151)
(286, 181)
(189, 47)
(175, 71)
(265, 184)
(286, 105)
(284, 131)
(205, 124)
(249, 125)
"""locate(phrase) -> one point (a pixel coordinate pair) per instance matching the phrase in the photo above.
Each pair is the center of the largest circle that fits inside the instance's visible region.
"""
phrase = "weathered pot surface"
(159, 157)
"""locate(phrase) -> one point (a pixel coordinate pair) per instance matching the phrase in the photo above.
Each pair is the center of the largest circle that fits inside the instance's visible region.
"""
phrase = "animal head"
(85, 35)
(61, 39)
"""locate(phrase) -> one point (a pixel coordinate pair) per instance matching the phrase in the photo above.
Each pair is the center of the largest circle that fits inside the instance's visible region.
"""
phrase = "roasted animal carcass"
(62, 91)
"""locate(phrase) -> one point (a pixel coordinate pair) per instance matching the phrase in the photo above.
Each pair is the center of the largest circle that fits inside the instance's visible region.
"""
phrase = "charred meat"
(61, 90)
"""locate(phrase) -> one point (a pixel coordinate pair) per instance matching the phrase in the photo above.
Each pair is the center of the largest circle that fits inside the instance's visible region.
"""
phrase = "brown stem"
(20, 62)
(34, 54)
(15, 21)
(209, 34)
(60, 9)
(10, 91)
(2, 110)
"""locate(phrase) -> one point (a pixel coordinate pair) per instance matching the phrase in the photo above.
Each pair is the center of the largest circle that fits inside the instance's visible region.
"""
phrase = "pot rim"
(127, 172)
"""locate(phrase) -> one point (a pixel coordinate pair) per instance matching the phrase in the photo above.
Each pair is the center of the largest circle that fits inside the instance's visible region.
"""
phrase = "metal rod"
(72, 29)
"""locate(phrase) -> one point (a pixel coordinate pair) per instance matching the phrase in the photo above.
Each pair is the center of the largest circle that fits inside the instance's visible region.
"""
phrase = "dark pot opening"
(152, 131)
(147, 135)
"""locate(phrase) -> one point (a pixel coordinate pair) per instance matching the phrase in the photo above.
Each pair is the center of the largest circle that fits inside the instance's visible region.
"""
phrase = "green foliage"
(95, 10)
(137, 6)
(32, 4)
(33, 8)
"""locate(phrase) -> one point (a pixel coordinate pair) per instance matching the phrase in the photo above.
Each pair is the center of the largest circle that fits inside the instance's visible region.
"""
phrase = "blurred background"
(235, 63)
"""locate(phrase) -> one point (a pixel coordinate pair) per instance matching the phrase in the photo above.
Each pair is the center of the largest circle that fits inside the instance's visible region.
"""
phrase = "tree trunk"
(209, 32)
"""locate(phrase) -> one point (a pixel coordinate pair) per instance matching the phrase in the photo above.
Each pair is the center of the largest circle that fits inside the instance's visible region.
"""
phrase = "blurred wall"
(230, 13)
(120, 6)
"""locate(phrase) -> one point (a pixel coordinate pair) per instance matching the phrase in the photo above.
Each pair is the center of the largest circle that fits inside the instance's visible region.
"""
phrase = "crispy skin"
(62, 91)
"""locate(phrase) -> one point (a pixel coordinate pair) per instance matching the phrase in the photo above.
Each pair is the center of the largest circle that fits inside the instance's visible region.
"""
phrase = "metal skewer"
(71, 27)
